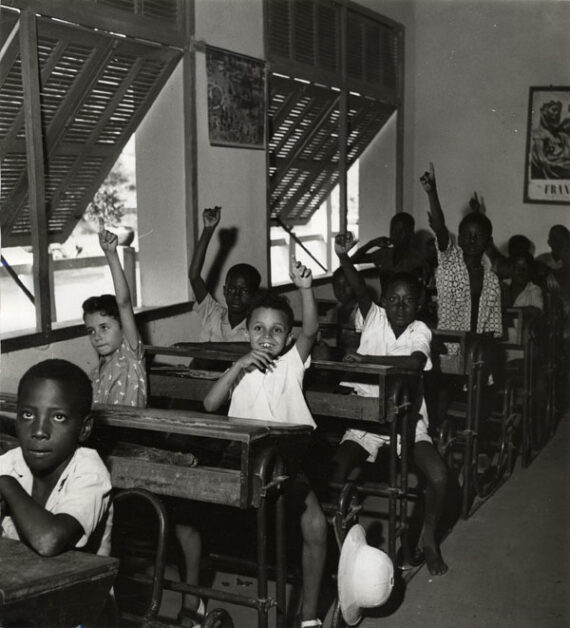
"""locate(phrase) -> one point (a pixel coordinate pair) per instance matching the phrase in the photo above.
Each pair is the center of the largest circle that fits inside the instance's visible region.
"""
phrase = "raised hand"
(300, 275)
(211, 216)
(474, 203)
(343, 242)
(107, 239)
(428, 179)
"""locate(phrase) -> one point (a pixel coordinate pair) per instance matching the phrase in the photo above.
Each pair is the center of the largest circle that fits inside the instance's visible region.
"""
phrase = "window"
(328, 101)
(86, 91)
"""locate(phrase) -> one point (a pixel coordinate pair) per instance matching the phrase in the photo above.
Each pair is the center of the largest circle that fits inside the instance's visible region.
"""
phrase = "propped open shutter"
(304, 147)
(95, 88)
(304, 42)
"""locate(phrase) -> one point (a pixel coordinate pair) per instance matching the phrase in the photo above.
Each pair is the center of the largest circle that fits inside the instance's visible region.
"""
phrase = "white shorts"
(372, 442)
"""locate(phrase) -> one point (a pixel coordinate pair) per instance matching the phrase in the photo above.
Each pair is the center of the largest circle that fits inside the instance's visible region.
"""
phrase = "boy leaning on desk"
(54, 493)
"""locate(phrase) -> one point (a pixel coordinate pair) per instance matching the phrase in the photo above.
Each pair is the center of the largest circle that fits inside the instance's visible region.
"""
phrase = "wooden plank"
(344, 406)
(25, 573)
(193, 423)
(36, 169)
(205, 484)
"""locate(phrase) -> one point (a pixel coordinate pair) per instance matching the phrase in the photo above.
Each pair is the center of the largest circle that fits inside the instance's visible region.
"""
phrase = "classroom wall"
(474, 64)
(234, 178)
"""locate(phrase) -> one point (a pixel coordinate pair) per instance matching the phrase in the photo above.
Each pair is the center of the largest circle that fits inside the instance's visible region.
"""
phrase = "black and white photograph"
(284, 313)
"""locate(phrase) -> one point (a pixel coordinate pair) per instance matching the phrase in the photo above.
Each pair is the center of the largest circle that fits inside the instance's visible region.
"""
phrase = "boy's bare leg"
(191, 545)
(432, 466)
(314, 531)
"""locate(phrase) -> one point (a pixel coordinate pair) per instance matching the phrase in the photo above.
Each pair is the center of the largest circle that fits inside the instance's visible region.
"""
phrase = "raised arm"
(47, 533)
(211, 218)
(303, 279)
(108, 242)
(342, 244)
(362, 255)
(435, 214)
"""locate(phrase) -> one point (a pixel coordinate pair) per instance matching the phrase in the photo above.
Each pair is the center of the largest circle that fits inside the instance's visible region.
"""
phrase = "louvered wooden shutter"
(95, 88)
(304, 43)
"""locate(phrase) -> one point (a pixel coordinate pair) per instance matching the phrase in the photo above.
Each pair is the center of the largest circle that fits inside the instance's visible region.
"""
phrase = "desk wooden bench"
(258, 478)
(465, 432)
(59, 591)
(388, 411)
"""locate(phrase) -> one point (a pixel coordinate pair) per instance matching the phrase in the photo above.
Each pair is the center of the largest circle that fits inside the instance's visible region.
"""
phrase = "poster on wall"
(236, 99)
(547, 167)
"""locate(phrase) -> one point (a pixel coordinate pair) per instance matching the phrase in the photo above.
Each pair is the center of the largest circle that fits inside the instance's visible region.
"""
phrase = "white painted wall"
(233, 178)
(474, 64)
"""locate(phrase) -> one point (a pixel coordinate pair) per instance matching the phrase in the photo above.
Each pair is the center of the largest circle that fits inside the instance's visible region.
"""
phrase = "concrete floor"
(509, 562)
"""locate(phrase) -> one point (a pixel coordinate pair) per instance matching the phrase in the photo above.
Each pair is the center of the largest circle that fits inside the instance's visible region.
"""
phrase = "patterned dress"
(122, 379)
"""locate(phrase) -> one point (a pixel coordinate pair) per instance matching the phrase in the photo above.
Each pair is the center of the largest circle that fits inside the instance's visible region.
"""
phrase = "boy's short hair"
(413, 281)
(477, 218)
(73, 379)
(272, 301)
(560, 231)
(105, 304)
(248, 272)
(518, 244)
(405, 219)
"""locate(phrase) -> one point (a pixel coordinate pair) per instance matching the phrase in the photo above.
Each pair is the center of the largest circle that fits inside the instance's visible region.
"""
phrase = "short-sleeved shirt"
(378, 338)
(454, 296)
(531, 296)
(275, 395)
(83, 491)
(216, 324)
(122, 379)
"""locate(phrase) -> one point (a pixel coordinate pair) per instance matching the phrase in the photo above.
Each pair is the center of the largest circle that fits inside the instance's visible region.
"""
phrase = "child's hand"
(343, 242)
(300, 275)
(107, 239)
(353, 357)
(428, 179)
(474, 203)
(256, 358)
(211, 216)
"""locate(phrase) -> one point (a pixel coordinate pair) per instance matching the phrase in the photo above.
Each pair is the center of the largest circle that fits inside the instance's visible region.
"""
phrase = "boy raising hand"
(267, 385)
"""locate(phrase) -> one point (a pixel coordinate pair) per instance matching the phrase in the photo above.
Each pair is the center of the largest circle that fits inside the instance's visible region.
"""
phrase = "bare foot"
(434, 561)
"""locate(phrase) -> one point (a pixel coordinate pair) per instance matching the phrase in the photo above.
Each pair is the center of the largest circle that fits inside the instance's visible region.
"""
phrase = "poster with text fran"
(547, 168)
(236, 99)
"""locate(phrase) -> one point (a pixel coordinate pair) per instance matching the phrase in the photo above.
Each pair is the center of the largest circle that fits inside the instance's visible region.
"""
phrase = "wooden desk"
(60, 591)
(233, 487)
(253, 485)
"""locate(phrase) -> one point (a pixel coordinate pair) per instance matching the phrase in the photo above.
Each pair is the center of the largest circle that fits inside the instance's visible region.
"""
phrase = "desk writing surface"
(25, 574)
(190, 423)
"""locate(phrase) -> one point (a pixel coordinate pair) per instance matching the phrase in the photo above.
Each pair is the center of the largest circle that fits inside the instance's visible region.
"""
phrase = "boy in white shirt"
(391, 335)
(266, 384)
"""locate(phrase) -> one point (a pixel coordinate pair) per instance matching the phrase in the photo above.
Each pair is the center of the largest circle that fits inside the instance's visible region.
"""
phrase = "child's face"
(520, 270)
(399, 233)
(237, 294)
(49, 426)
(268, 330)
(473, 239)
(401, 305)
(342, 290)
(105, 333)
